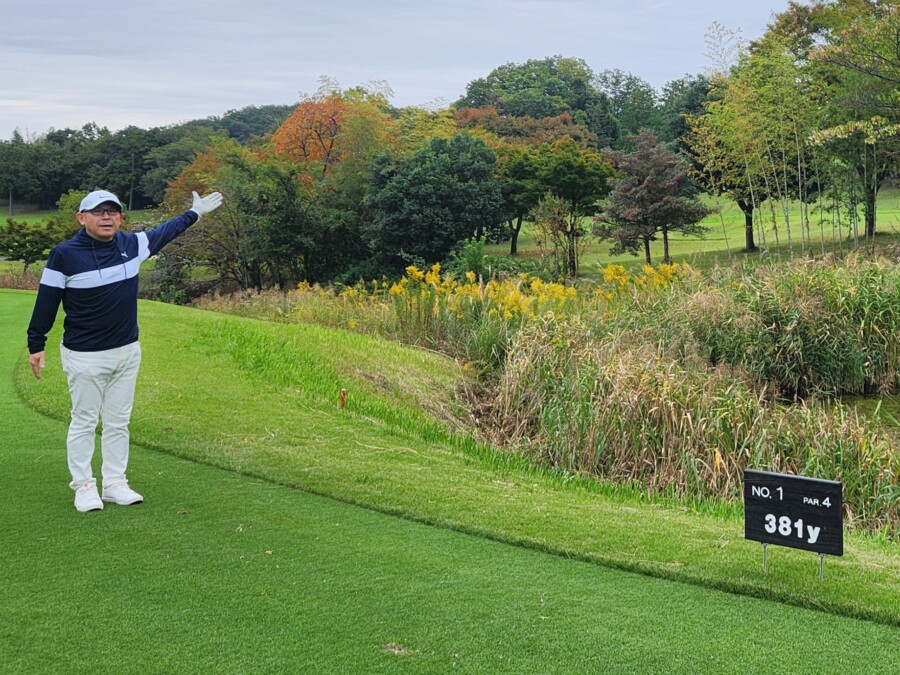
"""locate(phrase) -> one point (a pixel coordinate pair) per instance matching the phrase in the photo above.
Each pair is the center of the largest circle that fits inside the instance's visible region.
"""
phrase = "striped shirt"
(97, 284)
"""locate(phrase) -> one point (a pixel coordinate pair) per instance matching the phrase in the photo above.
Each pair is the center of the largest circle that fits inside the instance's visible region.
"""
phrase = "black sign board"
(794, 511)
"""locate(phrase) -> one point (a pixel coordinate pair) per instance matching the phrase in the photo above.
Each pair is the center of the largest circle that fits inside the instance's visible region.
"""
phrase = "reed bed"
(603, 405)
(805, 328)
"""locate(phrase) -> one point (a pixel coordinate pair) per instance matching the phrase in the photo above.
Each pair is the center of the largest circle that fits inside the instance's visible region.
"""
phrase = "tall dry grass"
(18, 279)
(630, 411)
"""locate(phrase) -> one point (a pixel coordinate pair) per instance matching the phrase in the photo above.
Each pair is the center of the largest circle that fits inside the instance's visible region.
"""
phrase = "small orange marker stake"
(343, 397)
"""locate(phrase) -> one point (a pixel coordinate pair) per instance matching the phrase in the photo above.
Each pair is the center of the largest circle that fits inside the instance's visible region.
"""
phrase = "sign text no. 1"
(794, 511)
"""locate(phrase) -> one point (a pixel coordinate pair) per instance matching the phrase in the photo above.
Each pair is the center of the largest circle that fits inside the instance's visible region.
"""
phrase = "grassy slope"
(217, 572)
(280, 423)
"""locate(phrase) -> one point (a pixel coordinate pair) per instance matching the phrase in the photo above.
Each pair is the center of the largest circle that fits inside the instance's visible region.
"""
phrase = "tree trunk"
(749, 242)
(514, 240)
(647, 250)
(665, 233)
(871, 195)
(573, 255)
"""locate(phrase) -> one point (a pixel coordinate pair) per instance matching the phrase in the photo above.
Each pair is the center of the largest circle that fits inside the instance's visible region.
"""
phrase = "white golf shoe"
(87, 499)
(121, 494)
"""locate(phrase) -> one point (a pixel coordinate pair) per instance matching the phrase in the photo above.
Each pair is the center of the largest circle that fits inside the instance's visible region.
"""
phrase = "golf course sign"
(794, 511)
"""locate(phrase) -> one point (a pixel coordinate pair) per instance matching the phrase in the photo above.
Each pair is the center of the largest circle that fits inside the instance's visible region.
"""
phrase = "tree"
(866, 65)
(216, 241)
(273, 230)
(633, 103)
(566, 81)
(526, 130)
(680, 100)
(759, 119)
(557, 232)
(653, 196)
(366, 129)
(518, 171)
(25, 242)
(309, 133)
(848, 48)
(63, 224)
(164, 162)
(541, 88)
(425, 204)
(280, 235)
(122, 164)
(250, 122)
(418, 125)
(18, 179)
(720, 172)
(580, 177)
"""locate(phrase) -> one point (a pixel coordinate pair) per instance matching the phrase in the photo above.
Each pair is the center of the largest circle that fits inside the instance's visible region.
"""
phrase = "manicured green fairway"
(219, 572)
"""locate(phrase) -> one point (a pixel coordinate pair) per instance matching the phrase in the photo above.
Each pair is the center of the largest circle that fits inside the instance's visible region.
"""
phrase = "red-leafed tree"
(653, 196)
(525, 130)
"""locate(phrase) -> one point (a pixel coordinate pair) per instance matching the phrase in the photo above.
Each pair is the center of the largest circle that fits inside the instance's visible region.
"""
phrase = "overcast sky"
(65, 64)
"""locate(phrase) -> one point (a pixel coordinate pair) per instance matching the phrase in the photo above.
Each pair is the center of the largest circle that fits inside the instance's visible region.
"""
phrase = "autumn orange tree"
(309, 133)
(368, 128)
(334, 126)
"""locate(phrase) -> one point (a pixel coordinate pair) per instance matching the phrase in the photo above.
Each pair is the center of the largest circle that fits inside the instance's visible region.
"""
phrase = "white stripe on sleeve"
(53, 278)
(143, 246)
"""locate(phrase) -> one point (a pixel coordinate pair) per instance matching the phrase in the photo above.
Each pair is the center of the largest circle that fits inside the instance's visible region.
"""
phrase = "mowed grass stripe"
(222, 572)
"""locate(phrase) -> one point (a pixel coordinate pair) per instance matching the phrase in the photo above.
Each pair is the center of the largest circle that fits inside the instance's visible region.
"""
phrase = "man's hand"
(207, 204)
(38, 363)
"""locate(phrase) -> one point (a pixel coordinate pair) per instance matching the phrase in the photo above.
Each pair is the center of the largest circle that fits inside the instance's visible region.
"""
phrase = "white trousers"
(102, 388)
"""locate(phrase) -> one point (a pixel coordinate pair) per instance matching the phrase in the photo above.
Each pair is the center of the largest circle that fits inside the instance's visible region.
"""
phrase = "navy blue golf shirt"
(97, 283)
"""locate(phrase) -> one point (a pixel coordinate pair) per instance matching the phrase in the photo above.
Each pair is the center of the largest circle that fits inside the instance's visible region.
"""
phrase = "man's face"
(101, 222)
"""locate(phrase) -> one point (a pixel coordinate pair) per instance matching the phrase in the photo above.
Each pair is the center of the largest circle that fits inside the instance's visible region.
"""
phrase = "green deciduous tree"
(17, 179)
(425, 204)
(580, 177)
(518, 171)
(861, 58)
(720, 172)
(541, 88)
(633, 102)
(679, 101)
(273, 229)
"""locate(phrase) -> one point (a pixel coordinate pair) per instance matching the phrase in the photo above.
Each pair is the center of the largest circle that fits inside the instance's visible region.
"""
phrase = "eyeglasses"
(101, 210)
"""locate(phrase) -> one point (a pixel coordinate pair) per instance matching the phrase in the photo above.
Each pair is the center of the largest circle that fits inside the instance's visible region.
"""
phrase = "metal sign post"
(794, 511)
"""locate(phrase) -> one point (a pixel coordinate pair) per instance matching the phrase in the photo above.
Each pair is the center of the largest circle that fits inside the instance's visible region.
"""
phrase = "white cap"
(98, 197)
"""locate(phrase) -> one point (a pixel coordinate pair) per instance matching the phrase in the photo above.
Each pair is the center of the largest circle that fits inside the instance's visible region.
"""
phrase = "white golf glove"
(207, 204)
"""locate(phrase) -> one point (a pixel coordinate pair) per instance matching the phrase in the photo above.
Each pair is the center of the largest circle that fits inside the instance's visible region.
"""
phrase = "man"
(95, 277)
